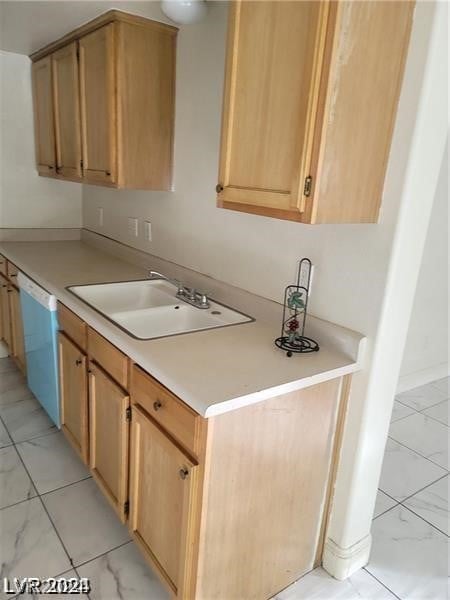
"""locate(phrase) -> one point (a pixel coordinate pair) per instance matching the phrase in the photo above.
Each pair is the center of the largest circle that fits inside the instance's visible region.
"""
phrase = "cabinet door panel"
(67, 111)
(109, 435)
(161, 495)
(275, 54)
(44, 116)
(6, 320)
(73, 389)
(98, 105)
(17, 337)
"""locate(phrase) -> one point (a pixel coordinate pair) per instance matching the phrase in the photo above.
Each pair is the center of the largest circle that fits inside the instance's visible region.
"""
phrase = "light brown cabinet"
(73, 395)
(162, 485)
(44, 123)
(310, 99)
(109, 416)
(109, 86)
(67, 111)
(17, 346)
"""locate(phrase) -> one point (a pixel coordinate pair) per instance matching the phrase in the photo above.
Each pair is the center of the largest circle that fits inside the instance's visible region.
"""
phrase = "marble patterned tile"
(432, 504)
(399, 411)
(51, 462)
(409, 556)
(319, 585)
(424, 435)
(5, 440)
(422, 397)
(14, 394)
(10, 379)
(443, 385)
(15, 485)
(122, 574)
(85, 521)
(30, 546)
(405, 472)
(26, 419)
(67, 575)
(383, 503)
(438, 412)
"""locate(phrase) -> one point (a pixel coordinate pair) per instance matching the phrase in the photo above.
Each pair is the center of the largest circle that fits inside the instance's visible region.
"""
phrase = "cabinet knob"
(219, 188)
(13, 275)
(78, 362)
(50, 166)
(108, 173)
(157, 405)
(183, 473)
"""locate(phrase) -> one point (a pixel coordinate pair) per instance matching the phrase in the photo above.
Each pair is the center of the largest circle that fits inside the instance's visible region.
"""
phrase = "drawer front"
(108, 357)
(2, 264)
(180, 421)
(73, 326)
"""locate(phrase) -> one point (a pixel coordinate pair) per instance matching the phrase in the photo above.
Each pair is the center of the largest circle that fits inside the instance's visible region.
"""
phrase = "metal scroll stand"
(292, 338)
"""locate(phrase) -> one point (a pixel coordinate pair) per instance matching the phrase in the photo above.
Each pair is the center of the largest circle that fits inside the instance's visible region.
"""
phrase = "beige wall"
(426, 351)
(27, 200)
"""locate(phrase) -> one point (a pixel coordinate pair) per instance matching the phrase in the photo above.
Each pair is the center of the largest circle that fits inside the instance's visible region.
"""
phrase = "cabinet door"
(274, 63)
(67, 111)
(44, 124)
(73, 390)
(98, 105)
(162, 484)
(6, 320)
(109, 437)
(17, 337)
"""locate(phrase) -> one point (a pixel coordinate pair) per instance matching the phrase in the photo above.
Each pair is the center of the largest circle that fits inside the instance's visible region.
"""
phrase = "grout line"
(422, 519)
(418, 453)
(380, 582)
(103, 554)
(418, 491)
(66, 485)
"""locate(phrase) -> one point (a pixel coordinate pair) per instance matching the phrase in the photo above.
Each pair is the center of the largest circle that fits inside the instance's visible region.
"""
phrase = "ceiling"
(27, 26)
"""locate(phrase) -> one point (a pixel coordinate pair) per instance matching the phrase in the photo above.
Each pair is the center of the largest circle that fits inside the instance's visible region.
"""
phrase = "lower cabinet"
(162, 486)
(109, 416)
(4, 308)
(17, 346)
(73, 392)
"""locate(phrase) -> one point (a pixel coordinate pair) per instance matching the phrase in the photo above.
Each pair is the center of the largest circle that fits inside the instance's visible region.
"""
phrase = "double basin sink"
(149, 309)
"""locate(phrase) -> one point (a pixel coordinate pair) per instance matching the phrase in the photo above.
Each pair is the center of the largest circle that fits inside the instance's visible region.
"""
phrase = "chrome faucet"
(189, 295)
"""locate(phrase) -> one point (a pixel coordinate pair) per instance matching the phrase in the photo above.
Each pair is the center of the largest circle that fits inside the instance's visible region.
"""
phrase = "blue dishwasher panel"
(40, 327)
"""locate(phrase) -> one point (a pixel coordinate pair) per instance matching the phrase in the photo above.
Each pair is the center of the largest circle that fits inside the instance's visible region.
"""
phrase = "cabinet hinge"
(126, 508)
(128, 414)
(308, 186)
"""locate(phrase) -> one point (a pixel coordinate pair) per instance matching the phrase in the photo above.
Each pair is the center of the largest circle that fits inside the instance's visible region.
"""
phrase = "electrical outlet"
(100, 216)
(133, 227)
(148, 230)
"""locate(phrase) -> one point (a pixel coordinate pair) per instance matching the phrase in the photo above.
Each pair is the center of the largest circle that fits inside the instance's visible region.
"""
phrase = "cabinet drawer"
(73, 326)
(180, 421)
(12, 272)
(2, 264)
(108, 357)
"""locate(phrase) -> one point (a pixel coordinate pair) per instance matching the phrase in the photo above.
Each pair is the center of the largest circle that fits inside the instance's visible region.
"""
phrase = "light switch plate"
(100, 216)
(148, 230)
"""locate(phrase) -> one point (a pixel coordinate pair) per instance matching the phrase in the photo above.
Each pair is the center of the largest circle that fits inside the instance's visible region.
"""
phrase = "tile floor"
(54, 521)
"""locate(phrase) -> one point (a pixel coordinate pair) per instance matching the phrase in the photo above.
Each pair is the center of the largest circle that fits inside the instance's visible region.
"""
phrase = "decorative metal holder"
(292, 338)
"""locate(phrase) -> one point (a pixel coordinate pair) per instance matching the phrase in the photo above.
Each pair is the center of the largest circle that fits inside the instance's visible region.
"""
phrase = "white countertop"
(212, 371)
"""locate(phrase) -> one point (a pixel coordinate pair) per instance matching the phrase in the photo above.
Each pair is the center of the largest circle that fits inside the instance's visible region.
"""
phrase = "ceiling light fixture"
(184, 12)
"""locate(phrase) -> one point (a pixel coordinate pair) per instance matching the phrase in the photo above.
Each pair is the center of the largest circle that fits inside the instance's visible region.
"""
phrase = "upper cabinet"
(44, 124)
(311, 92)
(104, 103)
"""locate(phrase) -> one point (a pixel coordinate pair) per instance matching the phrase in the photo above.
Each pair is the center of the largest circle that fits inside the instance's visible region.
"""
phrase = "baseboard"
(39, 234)
(422, 377)
(343, 562)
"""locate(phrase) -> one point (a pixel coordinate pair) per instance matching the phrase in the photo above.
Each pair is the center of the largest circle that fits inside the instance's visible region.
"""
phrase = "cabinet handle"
(78, 362)
(157, 405)
(219, 188)
(183, 473)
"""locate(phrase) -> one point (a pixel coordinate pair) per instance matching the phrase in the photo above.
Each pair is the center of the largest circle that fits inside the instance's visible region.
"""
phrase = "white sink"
(149, 309)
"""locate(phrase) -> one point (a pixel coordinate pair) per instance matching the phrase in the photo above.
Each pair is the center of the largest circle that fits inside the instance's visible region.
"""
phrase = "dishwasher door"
(40, 327)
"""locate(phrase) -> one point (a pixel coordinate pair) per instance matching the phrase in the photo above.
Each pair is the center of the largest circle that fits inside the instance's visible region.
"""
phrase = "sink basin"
(149, 309)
